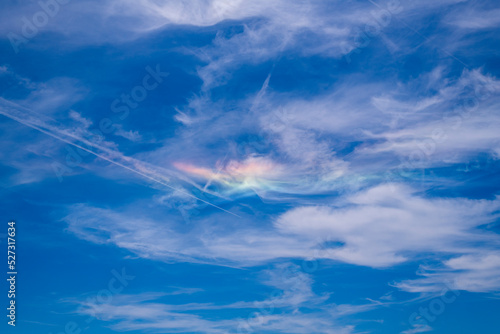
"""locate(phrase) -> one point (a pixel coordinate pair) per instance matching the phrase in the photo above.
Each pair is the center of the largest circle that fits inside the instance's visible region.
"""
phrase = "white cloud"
(474, 19)
(453, 125)
(197, 12)
(477, 271)
(388, 224)
(207, 242)
(131, 135)
(279, 312)
(418, 329)
(448, 122)
(379, 227)
(384, 118)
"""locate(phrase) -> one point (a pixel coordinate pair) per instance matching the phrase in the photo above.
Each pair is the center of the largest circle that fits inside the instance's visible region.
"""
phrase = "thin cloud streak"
(16, 113)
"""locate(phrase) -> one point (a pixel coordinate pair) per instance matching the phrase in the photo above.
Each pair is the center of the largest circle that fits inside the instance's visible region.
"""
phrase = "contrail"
(56, 133)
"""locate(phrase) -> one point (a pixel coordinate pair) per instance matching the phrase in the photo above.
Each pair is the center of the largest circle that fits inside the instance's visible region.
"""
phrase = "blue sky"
(217, 166)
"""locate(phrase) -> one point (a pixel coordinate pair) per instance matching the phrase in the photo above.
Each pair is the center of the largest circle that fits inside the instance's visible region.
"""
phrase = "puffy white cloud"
(389, 224)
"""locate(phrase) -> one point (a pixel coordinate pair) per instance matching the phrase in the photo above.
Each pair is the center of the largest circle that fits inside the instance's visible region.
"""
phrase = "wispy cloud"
(379, 227)
(281, 312)
(102, 149)
(287, 131)
(475, 272)
(388, 224)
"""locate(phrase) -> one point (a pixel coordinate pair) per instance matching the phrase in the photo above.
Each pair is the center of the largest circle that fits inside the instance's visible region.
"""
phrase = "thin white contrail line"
(209, 182)
(33, 126)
